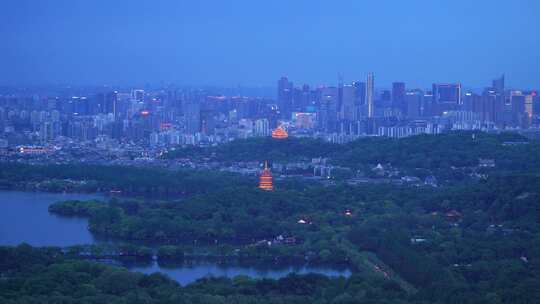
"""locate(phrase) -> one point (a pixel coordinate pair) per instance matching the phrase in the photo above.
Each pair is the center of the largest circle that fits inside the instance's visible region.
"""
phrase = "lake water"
(24, 218)
(189, 273)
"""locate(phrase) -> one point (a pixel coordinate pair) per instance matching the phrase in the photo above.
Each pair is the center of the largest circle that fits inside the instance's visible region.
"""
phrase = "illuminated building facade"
(370, 91)
(265, 179)
(279, 133)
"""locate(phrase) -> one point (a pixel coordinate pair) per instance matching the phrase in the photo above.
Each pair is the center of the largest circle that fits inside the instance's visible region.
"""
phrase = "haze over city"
(270, 152)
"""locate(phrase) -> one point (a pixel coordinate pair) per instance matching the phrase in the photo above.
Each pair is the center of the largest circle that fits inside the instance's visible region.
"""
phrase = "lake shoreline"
(49, 230)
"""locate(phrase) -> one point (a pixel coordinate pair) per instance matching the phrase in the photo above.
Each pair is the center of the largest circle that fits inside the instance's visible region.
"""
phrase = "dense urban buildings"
(170, 116)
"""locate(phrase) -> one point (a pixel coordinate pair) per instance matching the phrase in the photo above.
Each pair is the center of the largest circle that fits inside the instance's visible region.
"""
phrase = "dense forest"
(440, 154)
(100, 178)
(450, 157)
(44, 276)
(476, 241)
(455, 242)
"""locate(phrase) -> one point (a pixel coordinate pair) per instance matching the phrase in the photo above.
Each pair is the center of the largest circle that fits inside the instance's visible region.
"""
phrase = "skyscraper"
(498, 85)
(370, 88)
(518, 108)
(398, 97)
(413, 101)
(285, 97)
(300, 98)
(384, 100)
(328, 109)
(340, 92)
(192, 114)
(208, 120)
(111, 103)
(529, 105)
(536, 103)
(137, 95)
(446, 97)
(347, 110)
(359, 98)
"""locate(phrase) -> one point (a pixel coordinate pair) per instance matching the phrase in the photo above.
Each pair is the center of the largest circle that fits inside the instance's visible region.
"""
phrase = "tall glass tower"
(370, 87)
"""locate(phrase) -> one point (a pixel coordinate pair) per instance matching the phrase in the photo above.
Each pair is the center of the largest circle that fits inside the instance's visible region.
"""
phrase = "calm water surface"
(189, 273)
(24, 218)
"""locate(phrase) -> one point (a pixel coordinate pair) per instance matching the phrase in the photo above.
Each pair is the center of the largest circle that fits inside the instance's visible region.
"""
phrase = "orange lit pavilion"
(279, 133)
(265, 179)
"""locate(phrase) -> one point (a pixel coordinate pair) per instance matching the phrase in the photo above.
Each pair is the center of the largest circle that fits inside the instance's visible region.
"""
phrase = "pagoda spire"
(265, 179)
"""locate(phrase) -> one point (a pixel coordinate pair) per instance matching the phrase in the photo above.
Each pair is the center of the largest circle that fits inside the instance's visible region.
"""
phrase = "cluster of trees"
(44, 275)
(76, 208)
(439, 155)
(129, 180)
(474, 240)
(260, 148)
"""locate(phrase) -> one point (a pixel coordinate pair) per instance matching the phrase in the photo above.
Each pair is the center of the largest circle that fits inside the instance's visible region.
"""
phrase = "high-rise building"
(370, 90)
(45, 132)
(359, 98)
(285, 97)
(98, 104)
(207, 121)
(360, 92)
(427, 104)
(398, 97)
(536, 103)
(347, 111)
(328, 109)
(498, 85)
(469, 100)
(340, 92)
(137, 95)
(301, 98)
(385, 99)
(529, 100)
(262, 127)
(192, 115)
(489, 106)
(446, 97)
(111, 103)
(529, 110)
(518, 108)
(413, 103)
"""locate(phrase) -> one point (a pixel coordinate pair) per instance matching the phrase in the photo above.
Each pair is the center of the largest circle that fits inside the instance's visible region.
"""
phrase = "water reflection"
(24, 218)
(189, 272)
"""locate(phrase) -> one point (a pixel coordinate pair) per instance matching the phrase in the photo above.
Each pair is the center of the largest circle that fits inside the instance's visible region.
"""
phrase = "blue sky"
(240, 42)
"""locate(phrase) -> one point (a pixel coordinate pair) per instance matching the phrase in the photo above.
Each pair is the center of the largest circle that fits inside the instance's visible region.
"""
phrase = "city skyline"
(268, 87)
(275, 151)
(247, 44)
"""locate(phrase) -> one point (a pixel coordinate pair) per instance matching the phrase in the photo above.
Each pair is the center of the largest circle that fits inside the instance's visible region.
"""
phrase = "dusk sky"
(250, 43)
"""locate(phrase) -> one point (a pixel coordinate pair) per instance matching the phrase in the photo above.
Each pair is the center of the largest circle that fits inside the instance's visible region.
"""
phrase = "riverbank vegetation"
(470, 240)
(44, 275)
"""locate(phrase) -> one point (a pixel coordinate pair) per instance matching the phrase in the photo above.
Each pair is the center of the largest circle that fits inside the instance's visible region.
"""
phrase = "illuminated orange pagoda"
(279, 133)
(265, 179)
